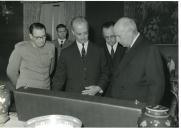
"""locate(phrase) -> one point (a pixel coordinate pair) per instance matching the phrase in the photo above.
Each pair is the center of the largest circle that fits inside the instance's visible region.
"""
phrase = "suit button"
(85, 69)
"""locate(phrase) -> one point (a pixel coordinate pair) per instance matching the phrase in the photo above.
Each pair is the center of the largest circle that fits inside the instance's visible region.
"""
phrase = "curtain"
(53, 14)
(72, 9)
(31, 13)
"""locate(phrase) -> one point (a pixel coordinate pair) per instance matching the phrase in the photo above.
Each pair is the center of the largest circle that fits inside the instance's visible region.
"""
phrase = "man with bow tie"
(82, 67)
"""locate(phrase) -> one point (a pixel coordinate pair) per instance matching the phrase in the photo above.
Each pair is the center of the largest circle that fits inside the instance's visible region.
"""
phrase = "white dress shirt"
(79, 45)
(109, 47)
(61, 41)
(134, 39)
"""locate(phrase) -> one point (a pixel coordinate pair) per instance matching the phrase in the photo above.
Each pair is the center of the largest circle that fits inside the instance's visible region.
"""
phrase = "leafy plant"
(158, 21)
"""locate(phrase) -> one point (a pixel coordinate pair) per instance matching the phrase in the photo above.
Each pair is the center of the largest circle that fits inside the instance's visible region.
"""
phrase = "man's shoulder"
(22, 44)
(22, 47)
(55, 41)
(68, 49)
(69, 41)
(50, 44)
(147, 46)
(147, 43)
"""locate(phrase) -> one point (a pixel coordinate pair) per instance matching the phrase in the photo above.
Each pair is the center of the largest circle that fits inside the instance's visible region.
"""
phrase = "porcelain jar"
(4, 104)
(155, 116)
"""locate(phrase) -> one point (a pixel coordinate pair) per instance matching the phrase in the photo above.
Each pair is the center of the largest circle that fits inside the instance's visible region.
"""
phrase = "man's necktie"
(112, 52)
(83, 51)
(61, 44)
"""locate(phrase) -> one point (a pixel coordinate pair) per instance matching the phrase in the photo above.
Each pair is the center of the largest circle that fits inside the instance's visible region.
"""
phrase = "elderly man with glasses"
(31, 62)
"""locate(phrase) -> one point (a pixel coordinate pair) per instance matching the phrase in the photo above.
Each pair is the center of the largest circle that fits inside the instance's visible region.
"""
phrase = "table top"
(13, 122)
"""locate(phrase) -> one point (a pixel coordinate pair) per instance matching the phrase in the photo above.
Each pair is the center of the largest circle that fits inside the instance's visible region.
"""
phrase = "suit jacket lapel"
(89, 51)
(76, 52)
(118, 53)
(107, 52)
(58, 49)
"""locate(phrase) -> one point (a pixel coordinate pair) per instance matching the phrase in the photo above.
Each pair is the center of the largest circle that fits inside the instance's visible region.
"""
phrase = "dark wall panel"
(98, 12)
(11, 32)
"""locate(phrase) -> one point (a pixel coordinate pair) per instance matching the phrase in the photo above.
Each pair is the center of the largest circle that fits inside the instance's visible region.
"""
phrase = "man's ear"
(72, 32)
(31, 36)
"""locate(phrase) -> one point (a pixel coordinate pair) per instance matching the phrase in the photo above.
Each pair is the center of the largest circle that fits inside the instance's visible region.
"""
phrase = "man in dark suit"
(139, 76)
(62, 41)
(82, 67)
(114, 51)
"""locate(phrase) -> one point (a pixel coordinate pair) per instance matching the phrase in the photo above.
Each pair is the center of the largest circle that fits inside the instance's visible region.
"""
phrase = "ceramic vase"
(155, 116)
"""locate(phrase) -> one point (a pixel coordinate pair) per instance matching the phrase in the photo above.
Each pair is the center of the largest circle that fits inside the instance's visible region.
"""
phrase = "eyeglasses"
(40, 37)
(62, 31)
(118, 36)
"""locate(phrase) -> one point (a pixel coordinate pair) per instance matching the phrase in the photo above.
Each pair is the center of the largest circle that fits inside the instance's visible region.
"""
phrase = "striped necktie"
(112, 52)
(83, 51)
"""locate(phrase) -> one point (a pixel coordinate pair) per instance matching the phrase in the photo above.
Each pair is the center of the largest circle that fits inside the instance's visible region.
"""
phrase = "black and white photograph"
(73, 64)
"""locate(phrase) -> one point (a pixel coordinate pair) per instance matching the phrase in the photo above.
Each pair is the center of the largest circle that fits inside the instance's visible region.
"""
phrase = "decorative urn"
(155, 116)
(4, 104)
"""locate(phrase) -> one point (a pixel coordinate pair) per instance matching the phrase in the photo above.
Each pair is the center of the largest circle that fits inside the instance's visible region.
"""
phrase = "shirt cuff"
(101, 91)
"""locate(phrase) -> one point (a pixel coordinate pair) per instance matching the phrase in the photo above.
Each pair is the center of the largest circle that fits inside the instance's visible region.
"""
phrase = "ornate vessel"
(155, 116)
(54, 121)
(4, 104)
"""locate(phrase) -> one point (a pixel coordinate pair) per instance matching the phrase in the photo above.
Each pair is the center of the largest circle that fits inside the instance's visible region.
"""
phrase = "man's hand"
(91, 90)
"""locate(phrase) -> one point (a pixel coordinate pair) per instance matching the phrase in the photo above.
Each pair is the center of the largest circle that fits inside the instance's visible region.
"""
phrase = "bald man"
(83, 66)
(139, 76)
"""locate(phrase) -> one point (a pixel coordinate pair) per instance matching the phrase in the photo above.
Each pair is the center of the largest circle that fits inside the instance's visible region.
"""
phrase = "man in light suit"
(139, 76)
(82, 67)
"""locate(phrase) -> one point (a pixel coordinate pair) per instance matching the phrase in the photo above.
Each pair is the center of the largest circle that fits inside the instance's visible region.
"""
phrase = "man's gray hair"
(128, 24)
(78, 20)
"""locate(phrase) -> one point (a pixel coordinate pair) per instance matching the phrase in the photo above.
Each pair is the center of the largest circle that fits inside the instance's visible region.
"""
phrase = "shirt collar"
(33, 44)
(134, 39)
(59, 41)
(114, 46)
(79, 45)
